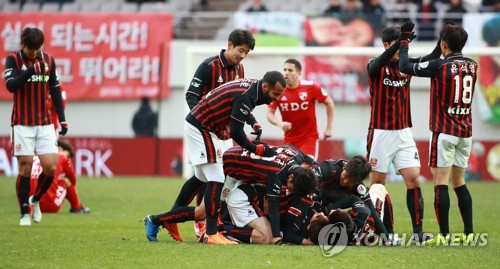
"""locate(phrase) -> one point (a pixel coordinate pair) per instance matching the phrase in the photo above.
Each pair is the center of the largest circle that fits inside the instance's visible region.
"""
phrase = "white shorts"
(229, 185)
(204, 146)
(33, 140)
(239, 208)
(447, 150)
(396, 146)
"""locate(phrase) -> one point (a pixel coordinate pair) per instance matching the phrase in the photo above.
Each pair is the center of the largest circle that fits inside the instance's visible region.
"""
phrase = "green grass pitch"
(112, 236)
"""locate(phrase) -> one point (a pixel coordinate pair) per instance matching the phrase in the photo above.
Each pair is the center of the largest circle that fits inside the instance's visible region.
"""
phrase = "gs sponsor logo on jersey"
(395, 83)
(39, 78)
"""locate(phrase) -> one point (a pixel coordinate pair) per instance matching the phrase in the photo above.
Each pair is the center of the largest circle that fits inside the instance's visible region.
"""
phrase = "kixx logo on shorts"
(332, 239)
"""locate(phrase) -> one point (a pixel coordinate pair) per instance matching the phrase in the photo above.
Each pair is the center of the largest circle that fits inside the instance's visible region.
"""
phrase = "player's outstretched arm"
(330, 110)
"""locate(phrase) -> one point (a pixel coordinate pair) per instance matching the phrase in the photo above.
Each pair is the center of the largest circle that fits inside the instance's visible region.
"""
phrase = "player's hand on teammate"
(64, 128)
(407, 31)
(41, 68)
(257, 130)
(264, 150)
(286, 126)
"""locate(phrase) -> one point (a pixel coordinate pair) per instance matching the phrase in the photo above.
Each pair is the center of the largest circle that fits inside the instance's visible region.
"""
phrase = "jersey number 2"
(467, 89)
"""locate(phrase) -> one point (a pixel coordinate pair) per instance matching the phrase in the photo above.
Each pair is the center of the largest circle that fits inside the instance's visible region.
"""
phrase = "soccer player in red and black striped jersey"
(453, 80)
(211, 73)
(284, 169)
(389, 136)
(30, 74)
(221, 115)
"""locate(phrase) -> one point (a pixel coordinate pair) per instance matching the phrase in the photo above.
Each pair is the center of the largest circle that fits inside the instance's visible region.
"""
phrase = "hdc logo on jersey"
(292, 106)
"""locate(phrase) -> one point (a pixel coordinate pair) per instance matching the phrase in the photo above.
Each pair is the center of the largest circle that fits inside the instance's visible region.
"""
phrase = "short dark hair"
(273, 77)
(294, 62)
(343, 217)
(455, 36)
(390, 33)
(304, 180)
(32, 38)
(67, 147)
(242, 37)
(315, 228)
(358, 168)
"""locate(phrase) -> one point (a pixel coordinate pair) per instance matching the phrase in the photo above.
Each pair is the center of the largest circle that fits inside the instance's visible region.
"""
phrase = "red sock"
(73, 197)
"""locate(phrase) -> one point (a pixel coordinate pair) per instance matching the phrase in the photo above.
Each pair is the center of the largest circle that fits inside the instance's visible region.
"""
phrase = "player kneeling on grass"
(62, 188)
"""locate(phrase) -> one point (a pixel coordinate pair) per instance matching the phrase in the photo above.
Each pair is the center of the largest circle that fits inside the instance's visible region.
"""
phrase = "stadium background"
(100, 127)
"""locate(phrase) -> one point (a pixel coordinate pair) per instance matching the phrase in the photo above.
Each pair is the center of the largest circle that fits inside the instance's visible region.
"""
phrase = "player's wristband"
(259, 150)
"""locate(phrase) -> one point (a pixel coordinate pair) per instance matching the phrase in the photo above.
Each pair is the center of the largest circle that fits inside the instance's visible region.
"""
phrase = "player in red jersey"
(298, 110)
(30, 75)
(453, 80)
(64, 185)
(389, 133)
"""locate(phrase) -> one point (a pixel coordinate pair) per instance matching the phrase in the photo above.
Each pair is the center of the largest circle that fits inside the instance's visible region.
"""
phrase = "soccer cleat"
(83, 209)
(25, 220)
(37, 213)
(422, 237)
(151, 229)
(217, 239)
(199, 228)
(439, 240)
(173, 230)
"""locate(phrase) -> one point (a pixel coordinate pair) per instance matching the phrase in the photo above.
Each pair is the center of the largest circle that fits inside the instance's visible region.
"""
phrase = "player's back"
(451, 97)
(214, 110)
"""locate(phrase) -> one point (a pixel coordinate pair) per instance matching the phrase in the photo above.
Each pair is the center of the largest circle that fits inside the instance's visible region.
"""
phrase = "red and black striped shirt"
(212, 73)
(453, 81)
(390, 99)
(243, 165)
(233, 100)
(32, 105)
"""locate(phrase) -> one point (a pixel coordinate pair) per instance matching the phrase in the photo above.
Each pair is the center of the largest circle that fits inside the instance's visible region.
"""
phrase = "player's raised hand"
(265, 151)
(407, 33)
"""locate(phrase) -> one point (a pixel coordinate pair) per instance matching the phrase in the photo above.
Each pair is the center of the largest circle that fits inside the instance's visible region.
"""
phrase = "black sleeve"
(201, 80)
(241, 111)
(13, 79)
(273, 201)
(239, 136)
(422, 69)
(251, 120)
(436, 53)
(294, 222)
(342, 203)
(376, 64)
(55, 92)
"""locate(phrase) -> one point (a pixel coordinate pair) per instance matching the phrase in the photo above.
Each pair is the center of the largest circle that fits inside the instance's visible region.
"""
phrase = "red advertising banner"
(99, 56)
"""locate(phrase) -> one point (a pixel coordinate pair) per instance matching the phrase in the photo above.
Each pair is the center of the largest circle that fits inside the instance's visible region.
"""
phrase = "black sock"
(465, 206)
(181, 214)
(200, 195)
(415, 204)
(44, 183)
(190, 188)
(442, 208)
(23, 193)
(244, 234)
(212, 203)
(388, 216)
